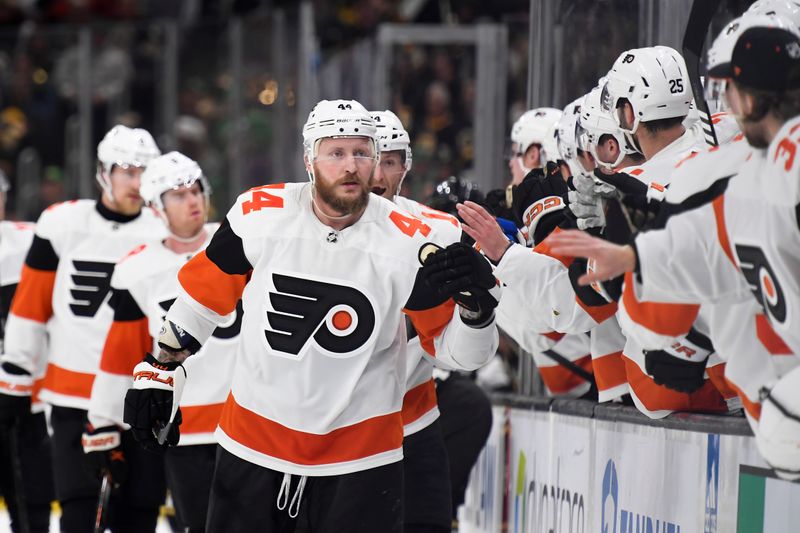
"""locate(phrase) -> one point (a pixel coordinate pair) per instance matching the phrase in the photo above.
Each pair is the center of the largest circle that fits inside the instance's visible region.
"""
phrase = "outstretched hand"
(481, 226)
(607, 260)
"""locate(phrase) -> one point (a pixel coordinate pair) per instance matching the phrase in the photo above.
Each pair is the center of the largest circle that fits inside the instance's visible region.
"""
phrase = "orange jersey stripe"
(419, 401)
(609, 371)
(657, 397)
(599, 313)
(68, 382)
(350, 443)
(210, 286)
(554, 335)
(201, 418)
(430, 323)
(770, 338)
(673, 320)
(544, 249)
(716, 374)
(560, 380)
(126, 345)
(722, 232)
(752, 408)
(34, 296)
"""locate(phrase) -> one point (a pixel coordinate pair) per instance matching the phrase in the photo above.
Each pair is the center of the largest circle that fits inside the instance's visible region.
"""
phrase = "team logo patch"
(763, 282)
(338, 319)
(92, 281)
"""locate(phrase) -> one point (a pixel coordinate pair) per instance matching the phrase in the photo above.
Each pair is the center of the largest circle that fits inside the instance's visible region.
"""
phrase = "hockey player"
(24, 443)
(528, 137)
(426, 476)
(143, 287)
(325, 272)
(59, 319)
(738, 255)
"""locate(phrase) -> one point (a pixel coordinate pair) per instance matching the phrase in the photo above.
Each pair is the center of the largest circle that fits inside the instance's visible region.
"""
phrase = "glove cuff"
(15, 381)
(100, 439)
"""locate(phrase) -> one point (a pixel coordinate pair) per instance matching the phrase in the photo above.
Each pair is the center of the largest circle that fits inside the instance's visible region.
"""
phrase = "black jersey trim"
(113, 216)
(41, 255)
(691, 202)
(226, 250)
(125, 307)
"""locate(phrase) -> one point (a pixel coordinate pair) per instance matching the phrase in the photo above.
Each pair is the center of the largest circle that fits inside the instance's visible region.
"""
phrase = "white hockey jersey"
(15, 240)
(144, 286)
(320, 373)
(63, 292)
(420, 407)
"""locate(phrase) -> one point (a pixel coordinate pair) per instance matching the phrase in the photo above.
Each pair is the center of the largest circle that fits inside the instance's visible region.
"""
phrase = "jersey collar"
(113, 216)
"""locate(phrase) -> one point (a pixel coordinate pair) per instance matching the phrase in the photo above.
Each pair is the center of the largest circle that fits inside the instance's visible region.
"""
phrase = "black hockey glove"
(641, 206)
(103, 449)
(462, 273)
(682, 366)
(15, 395)
(538, 203)
(597, 294)
(149, 407)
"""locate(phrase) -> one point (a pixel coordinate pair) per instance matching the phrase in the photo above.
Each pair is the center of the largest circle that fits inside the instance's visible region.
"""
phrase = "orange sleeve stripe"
(68, 382)
(544, 249)
(561, 380)
(364, 439)
(657, 397)
(419, 401)
(430, 323)
(200, 418)
(769, 337)
(716, 374)
(752, 408)
(34, 297)
(663, 318)
(126, 345)
(722, 232)
(609, 371)
(599, 313)
(210, 286)
(553, 335)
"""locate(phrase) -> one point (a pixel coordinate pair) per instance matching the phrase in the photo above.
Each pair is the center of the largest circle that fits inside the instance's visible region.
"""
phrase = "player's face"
(608, 150)
(388, 174)
(586, 160)
(741, 105)
(343, 173)
(521, 164)
(185, 209)
(125, 189)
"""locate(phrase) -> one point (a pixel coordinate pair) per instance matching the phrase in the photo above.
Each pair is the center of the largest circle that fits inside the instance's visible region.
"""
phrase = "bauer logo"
(338, 320)
(712, 484)
(615, 518)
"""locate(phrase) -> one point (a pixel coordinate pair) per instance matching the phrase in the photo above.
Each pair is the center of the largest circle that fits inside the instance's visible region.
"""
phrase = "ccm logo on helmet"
(340, 320)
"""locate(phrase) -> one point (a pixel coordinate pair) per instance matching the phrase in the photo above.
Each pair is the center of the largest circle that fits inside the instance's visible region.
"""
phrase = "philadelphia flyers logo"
(227, 330)
(762, 280)
(337, 319)
(92, 280)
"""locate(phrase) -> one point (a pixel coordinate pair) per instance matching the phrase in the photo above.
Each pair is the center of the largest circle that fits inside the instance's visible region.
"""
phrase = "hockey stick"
(569, 365)
(178, 382)
(19, 488)
(102, 503)
(693, 39)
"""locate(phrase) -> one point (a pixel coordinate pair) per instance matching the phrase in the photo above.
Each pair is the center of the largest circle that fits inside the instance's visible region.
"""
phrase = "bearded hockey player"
(143, 287)
(326, 272)
(61, 298)
(26, 474)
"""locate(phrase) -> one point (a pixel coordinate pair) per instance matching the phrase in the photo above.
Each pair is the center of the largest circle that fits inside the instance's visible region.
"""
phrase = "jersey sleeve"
(127, 343)
(550, 300)
(211, 283)
(32, 306)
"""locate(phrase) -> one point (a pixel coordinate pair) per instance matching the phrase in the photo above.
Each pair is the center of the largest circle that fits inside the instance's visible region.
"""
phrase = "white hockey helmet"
(718, 58)
(787, 9)
(567, 135)
(126, 147)
(550, 145)
(533, 127)
(778, 432)
(653, 80)
(169, 172)
(337, 118)
(391, 134)
(594, 122)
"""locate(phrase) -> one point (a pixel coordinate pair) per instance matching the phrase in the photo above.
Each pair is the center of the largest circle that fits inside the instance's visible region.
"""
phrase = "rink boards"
(553, 472)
